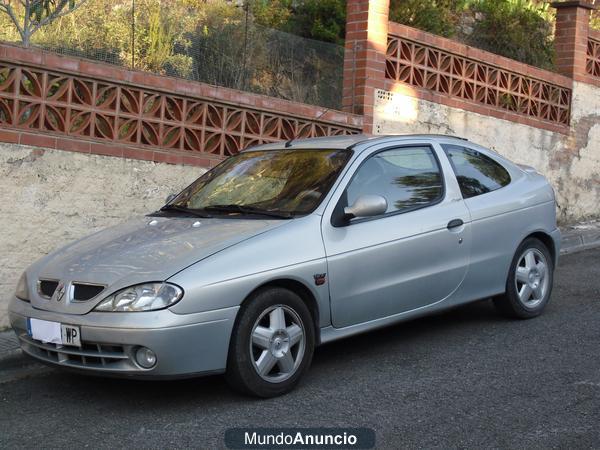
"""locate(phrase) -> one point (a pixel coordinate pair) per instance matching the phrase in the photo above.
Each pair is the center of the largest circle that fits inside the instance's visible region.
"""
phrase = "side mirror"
(366, 206)
(170, 198)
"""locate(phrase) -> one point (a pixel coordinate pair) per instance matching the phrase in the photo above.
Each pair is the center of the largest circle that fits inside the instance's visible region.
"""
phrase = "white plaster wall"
(581, 175)
(571, 162)
(52, 197)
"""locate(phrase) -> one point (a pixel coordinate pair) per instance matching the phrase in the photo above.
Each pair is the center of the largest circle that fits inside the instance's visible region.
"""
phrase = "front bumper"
(185, 345)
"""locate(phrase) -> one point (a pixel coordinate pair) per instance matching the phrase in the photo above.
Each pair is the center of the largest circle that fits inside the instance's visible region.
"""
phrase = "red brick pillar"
(364, 56)
(571, 40)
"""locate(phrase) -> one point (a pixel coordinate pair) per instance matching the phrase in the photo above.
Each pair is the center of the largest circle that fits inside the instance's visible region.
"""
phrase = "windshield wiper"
(248, 210)
(183, 209)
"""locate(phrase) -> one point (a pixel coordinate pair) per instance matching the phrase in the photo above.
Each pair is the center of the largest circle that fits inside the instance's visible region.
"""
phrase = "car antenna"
(288, 144)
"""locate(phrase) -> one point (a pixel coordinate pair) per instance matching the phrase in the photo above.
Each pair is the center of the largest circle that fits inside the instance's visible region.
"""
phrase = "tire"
(261, 340)
(529, 282)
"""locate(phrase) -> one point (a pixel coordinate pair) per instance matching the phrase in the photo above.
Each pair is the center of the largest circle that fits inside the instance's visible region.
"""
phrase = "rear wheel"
(529, 282)
(272, 343)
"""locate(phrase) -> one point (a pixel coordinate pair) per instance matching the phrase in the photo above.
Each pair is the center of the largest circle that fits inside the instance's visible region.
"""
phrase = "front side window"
(279, 181)
(476, 173)
(408, 178)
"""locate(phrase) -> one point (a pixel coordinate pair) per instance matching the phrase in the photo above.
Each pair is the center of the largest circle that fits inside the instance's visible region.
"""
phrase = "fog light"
(145, 357)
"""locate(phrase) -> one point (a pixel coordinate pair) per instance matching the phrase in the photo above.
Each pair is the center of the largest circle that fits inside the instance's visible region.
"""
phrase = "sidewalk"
(575, 238)
(581, 236)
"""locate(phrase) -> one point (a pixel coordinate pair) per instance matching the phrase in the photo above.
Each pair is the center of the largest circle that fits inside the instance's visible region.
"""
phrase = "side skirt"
(330, 333)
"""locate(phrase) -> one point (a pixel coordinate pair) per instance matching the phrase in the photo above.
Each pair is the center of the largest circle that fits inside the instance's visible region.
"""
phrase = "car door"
(413, 255)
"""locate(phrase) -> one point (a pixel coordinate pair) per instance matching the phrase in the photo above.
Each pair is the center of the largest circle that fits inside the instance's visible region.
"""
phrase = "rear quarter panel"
(500, 221)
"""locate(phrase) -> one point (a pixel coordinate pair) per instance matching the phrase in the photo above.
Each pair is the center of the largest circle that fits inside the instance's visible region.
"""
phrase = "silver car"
(290, 245)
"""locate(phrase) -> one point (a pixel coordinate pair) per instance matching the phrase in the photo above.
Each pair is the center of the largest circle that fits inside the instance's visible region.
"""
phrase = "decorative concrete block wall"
(404, 80)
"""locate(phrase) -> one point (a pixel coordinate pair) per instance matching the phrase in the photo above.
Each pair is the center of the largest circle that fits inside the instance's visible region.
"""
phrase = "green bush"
(322, 20)
(517, 29)
(436, 16)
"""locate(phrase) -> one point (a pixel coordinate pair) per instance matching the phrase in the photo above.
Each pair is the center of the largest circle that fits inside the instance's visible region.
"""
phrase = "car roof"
(346, 141)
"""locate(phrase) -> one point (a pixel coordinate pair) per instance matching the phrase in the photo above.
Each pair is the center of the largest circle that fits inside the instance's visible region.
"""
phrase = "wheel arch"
(547, 240)
(542, 236)
(299, 289)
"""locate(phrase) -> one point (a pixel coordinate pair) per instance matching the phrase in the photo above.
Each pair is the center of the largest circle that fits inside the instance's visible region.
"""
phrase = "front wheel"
(529, 282)
(272, 343)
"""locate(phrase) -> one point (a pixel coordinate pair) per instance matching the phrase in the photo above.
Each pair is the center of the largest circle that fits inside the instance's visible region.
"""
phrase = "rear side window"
(476, 173)
(408, 178)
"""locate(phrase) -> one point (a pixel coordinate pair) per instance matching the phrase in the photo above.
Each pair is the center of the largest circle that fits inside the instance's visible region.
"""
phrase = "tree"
(28, 16)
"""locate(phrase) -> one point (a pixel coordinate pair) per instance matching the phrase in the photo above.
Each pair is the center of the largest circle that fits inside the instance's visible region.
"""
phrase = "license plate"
(54, 332)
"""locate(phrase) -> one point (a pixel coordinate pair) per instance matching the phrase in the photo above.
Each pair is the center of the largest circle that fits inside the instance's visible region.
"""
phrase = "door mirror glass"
(366, 206)
(170, 198)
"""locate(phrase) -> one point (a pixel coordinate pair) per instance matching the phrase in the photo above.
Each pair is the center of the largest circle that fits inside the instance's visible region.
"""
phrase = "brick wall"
(571, 39)
(403, 80)
(72, 104)
(454, 74)
(384, 55)
(364, 56)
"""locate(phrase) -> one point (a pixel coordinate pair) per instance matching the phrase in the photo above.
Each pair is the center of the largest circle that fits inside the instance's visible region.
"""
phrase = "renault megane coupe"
(286, 246)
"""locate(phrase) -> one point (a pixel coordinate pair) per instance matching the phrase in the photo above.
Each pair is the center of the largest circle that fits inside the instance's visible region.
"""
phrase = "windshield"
(284, 182)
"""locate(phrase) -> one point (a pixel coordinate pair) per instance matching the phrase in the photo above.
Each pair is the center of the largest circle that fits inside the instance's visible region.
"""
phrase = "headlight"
(22, 291)
(143, 297)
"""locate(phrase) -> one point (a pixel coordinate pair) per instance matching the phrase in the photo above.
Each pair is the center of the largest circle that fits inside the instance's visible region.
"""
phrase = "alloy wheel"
(531, 278)
(277, 343)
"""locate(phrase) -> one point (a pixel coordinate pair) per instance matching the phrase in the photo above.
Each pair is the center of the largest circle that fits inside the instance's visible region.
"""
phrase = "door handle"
(455, 223)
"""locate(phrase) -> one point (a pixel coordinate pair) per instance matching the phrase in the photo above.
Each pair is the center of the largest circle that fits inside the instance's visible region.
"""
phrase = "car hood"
(141, 250)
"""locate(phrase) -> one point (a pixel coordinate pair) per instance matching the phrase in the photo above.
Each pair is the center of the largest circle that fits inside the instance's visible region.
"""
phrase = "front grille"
(46, 288)
(83, 291)
(90, 355)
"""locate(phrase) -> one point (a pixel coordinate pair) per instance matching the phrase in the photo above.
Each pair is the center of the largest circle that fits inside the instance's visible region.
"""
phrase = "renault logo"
(60, 292)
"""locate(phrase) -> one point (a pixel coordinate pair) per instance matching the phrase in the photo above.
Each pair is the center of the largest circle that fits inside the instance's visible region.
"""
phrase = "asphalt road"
(466, 378)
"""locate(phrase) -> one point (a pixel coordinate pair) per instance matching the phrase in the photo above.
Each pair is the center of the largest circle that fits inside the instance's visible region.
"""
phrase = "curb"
(580, 237)
(579, 248)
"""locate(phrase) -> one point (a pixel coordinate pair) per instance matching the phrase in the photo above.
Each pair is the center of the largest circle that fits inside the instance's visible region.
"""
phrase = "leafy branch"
(28, 16)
